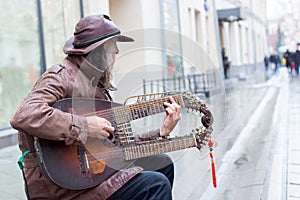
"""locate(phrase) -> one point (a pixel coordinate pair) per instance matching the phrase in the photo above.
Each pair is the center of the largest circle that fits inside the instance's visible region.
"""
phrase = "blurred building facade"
(35, 32)
(243, 32)
(174, 38)
(283, 25)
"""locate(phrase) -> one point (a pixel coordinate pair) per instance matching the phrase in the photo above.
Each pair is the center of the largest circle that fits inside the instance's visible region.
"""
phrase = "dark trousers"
(155, 182)
(225, 73)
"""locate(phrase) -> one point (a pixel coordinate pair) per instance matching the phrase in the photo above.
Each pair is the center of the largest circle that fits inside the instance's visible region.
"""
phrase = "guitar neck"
(155, 147)
(139, 110)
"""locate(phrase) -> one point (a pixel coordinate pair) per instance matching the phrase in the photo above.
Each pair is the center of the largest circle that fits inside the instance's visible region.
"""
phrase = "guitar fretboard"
(158, 147)
(139, 110)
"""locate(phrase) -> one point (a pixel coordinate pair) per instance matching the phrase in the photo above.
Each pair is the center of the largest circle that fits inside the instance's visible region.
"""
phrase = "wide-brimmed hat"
(92, 31)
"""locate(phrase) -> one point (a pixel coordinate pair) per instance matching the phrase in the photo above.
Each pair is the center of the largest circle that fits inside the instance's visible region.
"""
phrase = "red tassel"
(213, 170)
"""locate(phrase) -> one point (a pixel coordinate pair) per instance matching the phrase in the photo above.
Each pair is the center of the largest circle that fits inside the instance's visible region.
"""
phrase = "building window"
(171, 38)
(59, 19)
(20, 63)
(19, 46)
(198, 25)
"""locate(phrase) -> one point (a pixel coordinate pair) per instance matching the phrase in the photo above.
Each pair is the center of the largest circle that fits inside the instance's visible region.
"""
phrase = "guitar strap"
(21, 166)
(107, 94)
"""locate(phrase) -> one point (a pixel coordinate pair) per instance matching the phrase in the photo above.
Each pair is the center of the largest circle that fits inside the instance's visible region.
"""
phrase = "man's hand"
(172, 117)
(99, 127)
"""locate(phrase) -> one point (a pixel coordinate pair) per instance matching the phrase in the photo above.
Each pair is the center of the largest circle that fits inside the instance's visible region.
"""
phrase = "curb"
(8, 137)
(278, 172)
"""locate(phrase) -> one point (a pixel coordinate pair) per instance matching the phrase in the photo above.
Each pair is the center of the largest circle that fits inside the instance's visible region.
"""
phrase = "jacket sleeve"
(36, 117)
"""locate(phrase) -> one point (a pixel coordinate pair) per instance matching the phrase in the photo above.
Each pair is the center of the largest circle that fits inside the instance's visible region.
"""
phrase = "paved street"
(258, 155)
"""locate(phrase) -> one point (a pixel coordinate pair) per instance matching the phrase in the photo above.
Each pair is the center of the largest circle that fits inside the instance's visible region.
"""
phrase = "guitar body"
(80, 167)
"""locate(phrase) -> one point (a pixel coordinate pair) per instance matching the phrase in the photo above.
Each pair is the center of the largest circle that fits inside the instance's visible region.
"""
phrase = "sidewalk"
(11, 180)
(293, 167)
(285, 171)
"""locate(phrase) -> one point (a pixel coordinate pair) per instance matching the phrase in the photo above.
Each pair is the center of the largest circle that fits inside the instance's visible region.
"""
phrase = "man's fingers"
(172, 100)
(106, 131)
(109, 129)
(106, 122)
(175, 107)
(170, 111)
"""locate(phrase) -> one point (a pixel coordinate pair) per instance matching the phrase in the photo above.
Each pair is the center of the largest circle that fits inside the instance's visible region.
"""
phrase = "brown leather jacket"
(36, 117)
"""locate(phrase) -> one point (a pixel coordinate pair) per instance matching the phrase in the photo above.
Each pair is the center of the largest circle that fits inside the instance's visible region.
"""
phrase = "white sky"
(277, 9)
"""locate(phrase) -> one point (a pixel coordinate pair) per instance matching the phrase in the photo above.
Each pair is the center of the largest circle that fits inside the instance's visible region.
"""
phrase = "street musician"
(86, 72)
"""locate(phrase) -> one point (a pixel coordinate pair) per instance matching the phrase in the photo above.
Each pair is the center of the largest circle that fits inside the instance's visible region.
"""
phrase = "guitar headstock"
(194, 103)
(202, 136)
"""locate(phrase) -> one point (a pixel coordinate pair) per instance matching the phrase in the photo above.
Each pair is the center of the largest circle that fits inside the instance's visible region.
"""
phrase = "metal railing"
(206, 84)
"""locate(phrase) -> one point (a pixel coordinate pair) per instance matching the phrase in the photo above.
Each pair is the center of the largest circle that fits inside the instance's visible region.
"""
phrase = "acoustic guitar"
(84, 166)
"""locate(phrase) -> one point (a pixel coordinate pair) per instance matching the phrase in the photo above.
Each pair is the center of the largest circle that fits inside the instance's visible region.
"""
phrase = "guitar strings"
(177, 144)
(133, 107)
(138, 108)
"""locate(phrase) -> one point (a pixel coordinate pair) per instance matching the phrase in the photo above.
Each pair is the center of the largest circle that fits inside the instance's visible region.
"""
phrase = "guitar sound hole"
(108, 142)
(112, 140)
(111, 136)
(114, 137)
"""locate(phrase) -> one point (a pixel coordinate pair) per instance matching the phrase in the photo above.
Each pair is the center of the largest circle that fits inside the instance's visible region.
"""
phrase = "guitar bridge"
(83, 161)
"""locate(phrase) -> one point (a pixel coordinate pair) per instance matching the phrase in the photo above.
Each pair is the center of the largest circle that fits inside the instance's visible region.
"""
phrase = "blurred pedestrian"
(266, 62)
(226, 63)
(297, 59)
(288, 60)
(275, 60)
